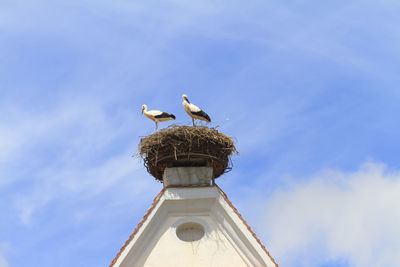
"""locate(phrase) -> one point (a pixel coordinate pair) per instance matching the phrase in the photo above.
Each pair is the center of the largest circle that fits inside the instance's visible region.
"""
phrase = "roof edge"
(245, 223)
(155, 201)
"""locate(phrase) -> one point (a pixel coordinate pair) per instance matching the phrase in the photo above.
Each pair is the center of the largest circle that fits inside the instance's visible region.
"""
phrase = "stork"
(194, 111)
(157, 115)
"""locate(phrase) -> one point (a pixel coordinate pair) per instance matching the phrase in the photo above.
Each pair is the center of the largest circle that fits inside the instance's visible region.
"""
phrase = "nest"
(176, 146)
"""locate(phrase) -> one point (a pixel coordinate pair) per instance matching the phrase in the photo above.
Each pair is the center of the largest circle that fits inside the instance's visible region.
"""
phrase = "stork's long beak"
(142, 111)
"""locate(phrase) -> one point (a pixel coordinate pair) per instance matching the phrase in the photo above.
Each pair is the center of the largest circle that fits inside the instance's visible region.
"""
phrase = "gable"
(193, 226)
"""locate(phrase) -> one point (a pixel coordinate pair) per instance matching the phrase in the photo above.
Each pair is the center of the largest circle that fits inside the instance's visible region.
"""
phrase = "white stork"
(194, 111)
(157, 115)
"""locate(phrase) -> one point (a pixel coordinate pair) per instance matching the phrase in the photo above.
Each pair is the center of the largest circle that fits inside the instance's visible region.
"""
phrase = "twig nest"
(178, 146)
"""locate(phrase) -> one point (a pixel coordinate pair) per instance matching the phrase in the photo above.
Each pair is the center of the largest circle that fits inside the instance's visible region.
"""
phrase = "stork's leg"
(193, 122)
(156, 126)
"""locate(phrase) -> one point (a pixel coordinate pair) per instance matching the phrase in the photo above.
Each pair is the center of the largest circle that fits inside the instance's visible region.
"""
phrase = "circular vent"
(190, 231)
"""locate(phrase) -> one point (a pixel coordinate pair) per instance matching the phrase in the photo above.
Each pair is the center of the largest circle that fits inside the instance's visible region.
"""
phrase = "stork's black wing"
(202, 114)
(165, 115)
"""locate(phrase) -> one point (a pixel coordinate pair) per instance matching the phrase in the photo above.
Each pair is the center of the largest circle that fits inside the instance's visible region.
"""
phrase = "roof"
(156, 200)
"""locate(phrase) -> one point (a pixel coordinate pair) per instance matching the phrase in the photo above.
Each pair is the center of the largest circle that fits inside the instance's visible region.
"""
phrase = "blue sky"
(308, 89)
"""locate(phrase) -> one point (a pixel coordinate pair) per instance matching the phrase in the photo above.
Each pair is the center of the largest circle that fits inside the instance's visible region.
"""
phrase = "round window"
(190, 231)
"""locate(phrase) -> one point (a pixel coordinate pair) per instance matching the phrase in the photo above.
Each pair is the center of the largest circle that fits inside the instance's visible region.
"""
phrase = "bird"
(157, 115)
(194, 111)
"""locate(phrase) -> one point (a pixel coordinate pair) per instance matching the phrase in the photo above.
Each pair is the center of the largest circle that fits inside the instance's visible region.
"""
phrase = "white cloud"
(337, 216)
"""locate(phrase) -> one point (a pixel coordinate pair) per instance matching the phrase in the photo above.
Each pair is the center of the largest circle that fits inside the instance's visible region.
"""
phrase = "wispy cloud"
(80, 184)
(337, 216)
(78, 134)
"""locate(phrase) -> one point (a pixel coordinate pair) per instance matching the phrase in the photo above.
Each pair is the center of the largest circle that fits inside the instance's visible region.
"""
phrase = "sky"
(307, 89)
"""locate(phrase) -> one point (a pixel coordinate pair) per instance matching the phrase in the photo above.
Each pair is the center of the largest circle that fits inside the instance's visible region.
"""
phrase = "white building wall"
(213, 249)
